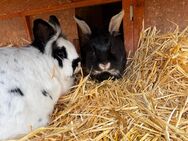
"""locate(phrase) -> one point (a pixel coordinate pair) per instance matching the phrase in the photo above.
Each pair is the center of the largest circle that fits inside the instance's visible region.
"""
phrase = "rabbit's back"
(27, 87)
(32, 78)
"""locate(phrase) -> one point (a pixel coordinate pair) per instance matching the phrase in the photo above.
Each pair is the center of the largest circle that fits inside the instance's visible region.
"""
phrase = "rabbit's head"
(49, 39)
(103, 53)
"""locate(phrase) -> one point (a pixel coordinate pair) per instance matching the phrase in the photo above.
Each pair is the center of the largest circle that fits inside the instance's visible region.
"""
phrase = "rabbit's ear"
(83, 26)
(54, 21)
(115, 22)
(42, 31)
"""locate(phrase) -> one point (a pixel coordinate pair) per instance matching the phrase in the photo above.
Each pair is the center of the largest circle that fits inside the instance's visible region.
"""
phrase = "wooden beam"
(128, 25)
(27, 25)
(54, 7)
(138, 18)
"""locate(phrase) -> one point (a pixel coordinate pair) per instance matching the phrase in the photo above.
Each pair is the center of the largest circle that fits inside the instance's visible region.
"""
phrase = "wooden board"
(13, 8)
(128, 25)
(18, 30)
(12, 31)
(132, 25)
(163, 13)
(138, 20)
(30, 9)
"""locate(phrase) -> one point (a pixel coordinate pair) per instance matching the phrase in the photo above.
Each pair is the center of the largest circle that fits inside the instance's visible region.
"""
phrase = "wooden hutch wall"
(163, 13)
(16, 17)
(13, 30)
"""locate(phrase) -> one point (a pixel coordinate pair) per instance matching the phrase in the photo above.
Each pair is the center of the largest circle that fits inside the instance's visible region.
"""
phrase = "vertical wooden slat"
(27, 25)
(138, 18)
(127, 26)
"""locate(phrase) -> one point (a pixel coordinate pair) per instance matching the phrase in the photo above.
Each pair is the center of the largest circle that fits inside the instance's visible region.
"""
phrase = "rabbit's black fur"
(102, 53)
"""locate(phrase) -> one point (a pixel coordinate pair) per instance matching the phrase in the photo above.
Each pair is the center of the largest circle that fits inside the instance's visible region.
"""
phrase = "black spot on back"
(59, 53)
(16, 91)
(75, 63)
(45, 93)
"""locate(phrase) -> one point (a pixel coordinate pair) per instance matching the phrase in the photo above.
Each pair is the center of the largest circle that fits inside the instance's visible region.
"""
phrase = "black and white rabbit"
(32, 78)
(102, 53)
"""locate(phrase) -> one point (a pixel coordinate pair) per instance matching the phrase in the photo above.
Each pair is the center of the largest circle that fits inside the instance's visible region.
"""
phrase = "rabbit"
(102, 53)
(32, 78)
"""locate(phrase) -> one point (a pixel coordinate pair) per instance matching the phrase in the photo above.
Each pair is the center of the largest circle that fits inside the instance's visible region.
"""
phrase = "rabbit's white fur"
(33, 73)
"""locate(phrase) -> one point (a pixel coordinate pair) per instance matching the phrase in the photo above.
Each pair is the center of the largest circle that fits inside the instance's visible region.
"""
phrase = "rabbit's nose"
(105, 66)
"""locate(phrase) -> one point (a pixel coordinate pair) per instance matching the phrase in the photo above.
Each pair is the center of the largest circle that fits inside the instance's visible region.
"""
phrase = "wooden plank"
(27, 24)
(12, 32)
(166, 14)
(138, 18)
(17, 30)
(128, 25)
(14, 8)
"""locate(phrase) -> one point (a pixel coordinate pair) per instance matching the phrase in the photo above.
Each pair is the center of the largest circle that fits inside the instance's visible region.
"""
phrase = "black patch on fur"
(53, 19)
(45, 93)
(75, 63)
(42, 32)
(59, 53)
(104, 76)
(16, 91)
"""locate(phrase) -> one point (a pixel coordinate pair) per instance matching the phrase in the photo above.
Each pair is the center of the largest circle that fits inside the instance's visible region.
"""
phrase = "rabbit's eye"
(59, 53)
(62, 52)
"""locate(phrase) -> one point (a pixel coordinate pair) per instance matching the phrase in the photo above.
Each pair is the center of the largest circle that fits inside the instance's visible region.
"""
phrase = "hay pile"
(148, 104)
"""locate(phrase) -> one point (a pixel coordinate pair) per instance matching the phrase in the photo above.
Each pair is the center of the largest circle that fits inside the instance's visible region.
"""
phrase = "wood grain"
(14, 8)
(138, 19)
(128, 25)
(165, 14)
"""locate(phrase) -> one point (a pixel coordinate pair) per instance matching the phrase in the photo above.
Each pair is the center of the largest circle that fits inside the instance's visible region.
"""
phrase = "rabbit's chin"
(113, 72)
(104, 75)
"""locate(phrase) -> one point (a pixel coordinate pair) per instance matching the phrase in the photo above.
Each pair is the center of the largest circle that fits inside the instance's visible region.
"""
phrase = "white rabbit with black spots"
(32, 78)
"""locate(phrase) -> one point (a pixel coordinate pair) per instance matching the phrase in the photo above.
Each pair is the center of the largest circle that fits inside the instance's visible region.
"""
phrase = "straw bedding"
(148, 104)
